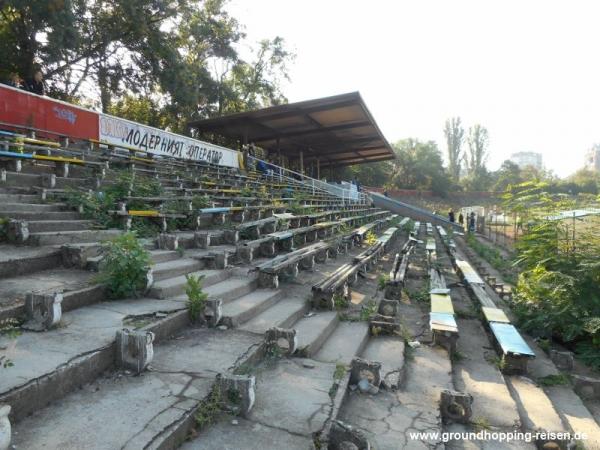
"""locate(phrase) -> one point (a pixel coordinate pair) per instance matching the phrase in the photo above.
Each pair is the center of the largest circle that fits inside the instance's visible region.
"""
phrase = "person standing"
(16, 81)
(461, 219)
(472, 222)
(451, 216)
(37, 84)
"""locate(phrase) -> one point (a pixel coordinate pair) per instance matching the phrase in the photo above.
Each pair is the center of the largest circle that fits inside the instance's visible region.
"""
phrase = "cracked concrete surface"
(13, 290)
(292, 402)
(83, 330)
(130, 412)
(388, 417)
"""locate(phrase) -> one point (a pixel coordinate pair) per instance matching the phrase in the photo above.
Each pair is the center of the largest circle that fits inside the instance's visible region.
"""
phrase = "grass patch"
(560, 379)
(481, 423)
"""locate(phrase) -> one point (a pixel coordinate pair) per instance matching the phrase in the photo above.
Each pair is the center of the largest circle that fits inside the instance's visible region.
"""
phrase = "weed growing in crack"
(456, 356)
(381, 281)
(560, 379)
(196, 298)
(421, 295)
(338, 374)
(340, 302)
(209, 408)
(481, 423)
(8, 327)
(499, 362)
(368, 310)
(340, 371)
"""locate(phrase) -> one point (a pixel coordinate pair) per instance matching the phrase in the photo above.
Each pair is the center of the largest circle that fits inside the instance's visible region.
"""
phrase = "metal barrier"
(281, 173)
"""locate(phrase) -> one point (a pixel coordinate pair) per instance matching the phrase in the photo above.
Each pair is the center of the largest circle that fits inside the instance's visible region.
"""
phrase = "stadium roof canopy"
(337, 130)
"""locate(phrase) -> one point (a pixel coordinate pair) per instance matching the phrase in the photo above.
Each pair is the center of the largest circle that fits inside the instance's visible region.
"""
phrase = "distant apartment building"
(525, 159)
(592, 158)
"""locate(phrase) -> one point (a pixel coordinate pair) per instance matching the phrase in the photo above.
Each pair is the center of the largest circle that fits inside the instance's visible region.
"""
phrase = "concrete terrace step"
(160, 256)
(535, 408)
(41, 215)
(232, 288)
(248, 306)
(40, 226)
(20, 179)
(71, 237)
(283, 314)
(147, 406)
(175, 268)
(313, 331)
(19, 198)
(19, 260)
(48, 365)
(347, 340)
(389, 351)
(173, 287)
(50, 280)
(31, 207)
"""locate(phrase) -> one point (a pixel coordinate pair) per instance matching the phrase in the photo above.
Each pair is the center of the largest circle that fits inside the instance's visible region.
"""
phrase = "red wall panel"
(21, 108)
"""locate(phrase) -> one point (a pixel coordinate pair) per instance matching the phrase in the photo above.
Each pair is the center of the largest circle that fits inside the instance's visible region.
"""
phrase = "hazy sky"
(527, 70)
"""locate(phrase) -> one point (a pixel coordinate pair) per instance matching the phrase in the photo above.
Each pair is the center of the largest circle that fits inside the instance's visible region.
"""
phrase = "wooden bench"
(288, 264)
(128, 215)
(393, 286)
(442, 321)
(429, 229)
(254, 229)
(339, 282)
(509, 343)
(515, 351)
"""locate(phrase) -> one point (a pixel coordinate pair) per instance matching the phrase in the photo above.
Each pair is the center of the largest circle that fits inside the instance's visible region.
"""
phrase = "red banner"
(24, 109)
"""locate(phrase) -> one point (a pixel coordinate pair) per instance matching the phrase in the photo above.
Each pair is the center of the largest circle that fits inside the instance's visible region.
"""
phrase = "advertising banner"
(21, 108)
(116, 131)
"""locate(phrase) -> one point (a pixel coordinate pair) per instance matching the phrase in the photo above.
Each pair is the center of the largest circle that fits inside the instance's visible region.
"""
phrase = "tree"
(375, 174)
(509, 174)
(478, 152)
(454, 139)
(419, 165)
(165, 50)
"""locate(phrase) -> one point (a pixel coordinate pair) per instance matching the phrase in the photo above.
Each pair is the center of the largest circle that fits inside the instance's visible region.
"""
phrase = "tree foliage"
(180, 55)
(454, 133)
(478, 149)
(557, 291)
(419, 165)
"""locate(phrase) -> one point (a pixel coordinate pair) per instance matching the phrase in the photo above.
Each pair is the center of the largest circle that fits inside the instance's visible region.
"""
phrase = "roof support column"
(301, 162)
(318, 169)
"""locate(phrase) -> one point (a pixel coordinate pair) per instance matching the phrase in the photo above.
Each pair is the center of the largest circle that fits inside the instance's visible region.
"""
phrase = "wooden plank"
(468, 272)
(494, 315)
(509, 339)
(441, 303)
(442, 322)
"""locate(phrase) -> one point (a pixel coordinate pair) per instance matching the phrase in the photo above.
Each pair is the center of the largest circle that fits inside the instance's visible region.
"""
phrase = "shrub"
(124, 266)
(97, 206)
(196, 298)
(370, 238)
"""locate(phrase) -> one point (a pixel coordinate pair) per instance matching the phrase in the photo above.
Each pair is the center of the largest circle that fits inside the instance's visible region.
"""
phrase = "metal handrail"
(290, 175)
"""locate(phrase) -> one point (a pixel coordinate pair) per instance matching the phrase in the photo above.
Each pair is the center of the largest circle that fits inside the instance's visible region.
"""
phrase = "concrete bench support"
(168, 241)
(5, 428)
(134, 349)
(213, 311)
(43, 311)
(281, 341)
(18, 231)
(237, 392)
(456, 406)
(362, 369)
